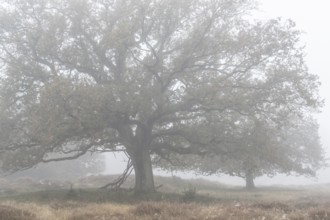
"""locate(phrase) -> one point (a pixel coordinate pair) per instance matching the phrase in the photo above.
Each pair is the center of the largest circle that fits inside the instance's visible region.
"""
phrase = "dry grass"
(11, 210)
(12, 213)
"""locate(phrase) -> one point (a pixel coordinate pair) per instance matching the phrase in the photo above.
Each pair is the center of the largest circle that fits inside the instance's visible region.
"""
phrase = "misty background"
(311, 17)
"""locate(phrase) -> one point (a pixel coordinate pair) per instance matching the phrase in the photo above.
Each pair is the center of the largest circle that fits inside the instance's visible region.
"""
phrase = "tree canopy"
(149, 77)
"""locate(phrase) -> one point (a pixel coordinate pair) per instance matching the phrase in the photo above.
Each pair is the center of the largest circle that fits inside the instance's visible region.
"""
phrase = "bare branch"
(122, 178)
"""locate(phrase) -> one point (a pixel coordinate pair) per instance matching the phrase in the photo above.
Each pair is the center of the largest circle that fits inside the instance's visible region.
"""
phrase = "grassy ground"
(75, 210)
(194, 200)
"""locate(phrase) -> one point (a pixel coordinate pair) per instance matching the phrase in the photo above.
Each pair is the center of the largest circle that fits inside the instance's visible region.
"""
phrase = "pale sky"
(312, 17)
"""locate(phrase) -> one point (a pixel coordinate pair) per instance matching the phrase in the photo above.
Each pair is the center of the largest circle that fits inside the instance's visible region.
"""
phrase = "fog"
(312, 17)
(218, 111)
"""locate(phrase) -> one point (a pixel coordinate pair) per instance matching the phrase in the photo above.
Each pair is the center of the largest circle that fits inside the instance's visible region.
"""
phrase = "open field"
(210, 201)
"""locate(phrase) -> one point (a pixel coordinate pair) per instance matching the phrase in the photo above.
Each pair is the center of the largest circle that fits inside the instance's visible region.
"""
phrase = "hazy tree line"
(181, 84)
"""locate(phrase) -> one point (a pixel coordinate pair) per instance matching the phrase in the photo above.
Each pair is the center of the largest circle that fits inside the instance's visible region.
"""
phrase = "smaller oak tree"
(264, 149)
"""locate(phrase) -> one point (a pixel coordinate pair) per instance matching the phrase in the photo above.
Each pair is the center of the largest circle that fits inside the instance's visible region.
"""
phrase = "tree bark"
(249, 179)
(144, 179)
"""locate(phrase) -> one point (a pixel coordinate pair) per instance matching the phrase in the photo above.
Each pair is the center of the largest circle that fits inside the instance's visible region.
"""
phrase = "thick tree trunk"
(249, 179)
(144, 179)
(139, 153)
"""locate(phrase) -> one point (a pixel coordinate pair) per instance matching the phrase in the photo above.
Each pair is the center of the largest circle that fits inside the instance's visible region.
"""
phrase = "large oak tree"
(146, 77)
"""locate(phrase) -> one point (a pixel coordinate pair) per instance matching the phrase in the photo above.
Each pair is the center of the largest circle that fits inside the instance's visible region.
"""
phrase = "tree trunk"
(249, 179)
(144, 179)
